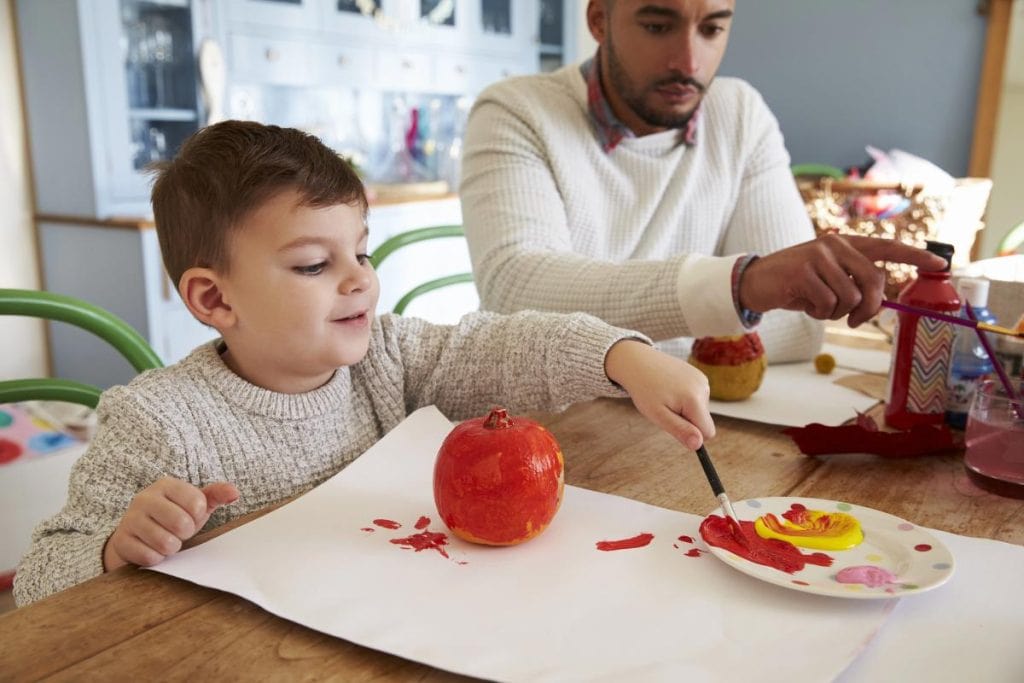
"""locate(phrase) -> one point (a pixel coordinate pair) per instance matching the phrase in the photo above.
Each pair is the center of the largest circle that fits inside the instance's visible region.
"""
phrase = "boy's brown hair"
(227, 170)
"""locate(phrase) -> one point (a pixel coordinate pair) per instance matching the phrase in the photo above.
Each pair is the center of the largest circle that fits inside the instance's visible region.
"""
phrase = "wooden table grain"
(136, 624)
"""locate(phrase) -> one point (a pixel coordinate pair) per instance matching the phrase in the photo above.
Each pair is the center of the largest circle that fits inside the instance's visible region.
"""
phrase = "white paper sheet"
(970, 629)
(795, 394)
(555, 608)
(874, 361)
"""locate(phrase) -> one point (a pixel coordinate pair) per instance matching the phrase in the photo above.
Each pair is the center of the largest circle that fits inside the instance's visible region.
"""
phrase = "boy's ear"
(200, 289)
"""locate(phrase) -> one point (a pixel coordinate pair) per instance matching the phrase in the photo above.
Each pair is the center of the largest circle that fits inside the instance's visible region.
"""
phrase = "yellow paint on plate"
(812, 529)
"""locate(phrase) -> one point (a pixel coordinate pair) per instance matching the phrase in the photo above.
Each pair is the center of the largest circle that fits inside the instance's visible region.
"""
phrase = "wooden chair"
(404, 239)
(107, 326)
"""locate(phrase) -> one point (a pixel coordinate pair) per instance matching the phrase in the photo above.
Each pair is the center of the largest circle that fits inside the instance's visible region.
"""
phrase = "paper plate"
(896, 558)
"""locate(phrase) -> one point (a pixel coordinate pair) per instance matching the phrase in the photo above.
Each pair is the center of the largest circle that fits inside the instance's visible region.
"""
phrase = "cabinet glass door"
(160, 78)
(438, 12)
(354, 16)
(496, 17)
(552, 32)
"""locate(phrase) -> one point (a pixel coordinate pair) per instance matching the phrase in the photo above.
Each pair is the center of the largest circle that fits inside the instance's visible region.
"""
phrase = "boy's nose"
(356, 279)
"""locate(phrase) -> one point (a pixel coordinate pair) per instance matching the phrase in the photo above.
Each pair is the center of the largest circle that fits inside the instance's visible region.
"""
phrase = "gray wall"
(840, 75)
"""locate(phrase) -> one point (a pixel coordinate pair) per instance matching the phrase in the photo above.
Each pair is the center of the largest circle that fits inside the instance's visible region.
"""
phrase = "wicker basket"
(953, 217)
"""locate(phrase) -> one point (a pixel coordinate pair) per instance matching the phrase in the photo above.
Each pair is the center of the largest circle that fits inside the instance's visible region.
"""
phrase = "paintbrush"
(955, 320)
(719, 491)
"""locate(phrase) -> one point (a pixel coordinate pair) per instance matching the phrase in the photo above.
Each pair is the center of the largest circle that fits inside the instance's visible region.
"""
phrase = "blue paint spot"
(754, 503)
(941, 565)
(47, 442)
(5, 418)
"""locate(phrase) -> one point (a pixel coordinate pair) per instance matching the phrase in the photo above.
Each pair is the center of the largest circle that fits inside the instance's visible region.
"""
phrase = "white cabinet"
(278, 13)
(117, 267)
(110, 87)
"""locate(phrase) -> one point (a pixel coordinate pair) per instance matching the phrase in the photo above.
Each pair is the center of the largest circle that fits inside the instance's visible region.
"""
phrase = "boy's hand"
(668, 391)
(160, 517)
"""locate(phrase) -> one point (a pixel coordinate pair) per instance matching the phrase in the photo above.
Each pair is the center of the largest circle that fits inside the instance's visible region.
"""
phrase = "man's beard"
(634, 97)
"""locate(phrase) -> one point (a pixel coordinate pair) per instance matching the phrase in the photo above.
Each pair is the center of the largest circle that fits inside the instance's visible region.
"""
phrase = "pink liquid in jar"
(995, 443)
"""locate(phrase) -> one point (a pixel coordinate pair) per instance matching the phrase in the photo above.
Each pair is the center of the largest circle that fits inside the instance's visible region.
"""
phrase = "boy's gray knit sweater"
(199, 422)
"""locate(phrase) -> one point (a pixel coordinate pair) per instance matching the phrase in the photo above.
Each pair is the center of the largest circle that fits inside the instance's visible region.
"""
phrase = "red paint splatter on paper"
(638, 541)
(922, 547)
(771, 552)
(425, 540)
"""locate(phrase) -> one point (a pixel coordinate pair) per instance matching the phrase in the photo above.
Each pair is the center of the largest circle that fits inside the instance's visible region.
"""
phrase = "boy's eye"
(711, 30)
(363, 259)
(313, 269)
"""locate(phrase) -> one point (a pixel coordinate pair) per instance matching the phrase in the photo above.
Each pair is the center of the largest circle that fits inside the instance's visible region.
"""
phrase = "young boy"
(263, 229)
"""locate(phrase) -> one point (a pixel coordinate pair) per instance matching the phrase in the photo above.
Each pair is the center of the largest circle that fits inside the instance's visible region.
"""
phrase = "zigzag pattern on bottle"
(929, 366)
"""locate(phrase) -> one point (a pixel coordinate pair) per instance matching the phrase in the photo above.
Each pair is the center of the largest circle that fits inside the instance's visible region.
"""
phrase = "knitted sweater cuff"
(593, 339)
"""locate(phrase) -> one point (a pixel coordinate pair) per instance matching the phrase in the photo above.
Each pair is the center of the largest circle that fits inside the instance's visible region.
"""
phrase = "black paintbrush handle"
(709, 471)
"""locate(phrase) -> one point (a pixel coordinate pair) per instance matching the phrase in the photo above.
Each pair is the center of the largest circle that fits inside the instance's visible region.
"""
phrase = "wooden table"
(134, 624)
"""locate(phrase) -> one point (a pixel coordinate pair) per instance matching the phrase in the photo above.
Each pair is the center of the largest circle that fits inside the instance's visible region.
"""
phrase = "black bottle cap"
(941, 249)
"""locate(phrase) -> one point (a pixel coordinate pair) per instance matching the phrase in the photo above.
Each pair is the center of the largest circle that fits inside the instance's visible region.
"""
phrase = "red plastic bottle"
(917, 378)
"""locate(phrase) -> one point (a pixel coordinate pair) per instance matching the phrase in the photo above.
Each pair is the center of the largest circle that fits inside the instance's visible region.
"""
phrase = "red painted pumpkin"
(498, 479)
(734, 366)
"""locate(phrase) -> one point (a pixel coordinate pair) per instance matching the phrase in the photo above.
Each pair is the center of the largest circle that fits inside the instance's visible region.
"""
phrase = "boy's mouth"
(359, 317)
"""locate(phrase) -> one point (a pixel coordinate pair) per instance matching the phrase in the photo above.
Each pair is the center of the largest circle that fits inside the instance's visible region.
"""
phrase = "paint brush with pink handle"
(719, 491)
(953, 319)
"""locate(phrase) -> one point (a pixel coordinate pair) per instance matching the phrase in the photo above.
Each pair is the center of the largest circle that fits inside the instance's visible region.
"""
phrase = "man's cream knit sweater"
(199, 422)
(644, 236)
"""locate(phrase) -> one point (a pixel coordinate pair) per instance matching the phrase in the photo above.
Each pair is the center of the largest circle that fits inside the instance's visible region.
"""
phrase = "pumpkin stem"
(498, 419)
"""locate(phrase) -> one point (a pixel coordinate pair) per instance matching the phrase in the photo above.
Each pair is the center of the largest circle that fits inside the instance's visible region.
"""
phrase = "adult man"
(634, 188)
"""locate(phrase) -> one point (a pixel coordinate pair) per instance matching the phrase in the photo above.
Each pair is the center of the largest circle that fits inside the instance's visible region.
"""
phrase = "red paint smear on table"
(387, 523)
(771, 552)
(693, 552)
(425, 540)
(368, 528)
(423, 522)
(686, 539)
(638, 541)
(865, 437)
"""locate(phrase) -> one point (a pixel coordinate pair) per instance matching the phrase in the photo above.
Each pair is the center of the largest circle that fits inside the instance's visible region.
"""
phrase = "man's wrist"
(749, 318)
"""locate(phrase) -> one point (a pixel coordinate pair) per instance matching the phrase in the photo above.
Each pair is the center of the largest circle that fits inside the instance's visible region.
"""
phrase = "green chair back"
(817, 170)
(1012, 242)
(105, 325)
(404, 239)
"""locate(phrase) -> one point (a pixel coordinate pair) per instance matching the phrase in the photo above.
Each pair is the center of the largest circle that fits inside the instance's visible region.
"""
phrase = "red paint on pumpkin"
(728, 350)
(771, 552)
(387, 523)
(425, 540)
(638, 541)
(498, 480)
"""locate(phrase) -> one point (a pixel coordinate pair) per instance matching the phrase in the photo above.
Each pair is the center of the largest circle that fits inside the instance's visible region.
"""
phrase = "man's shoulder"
(545, 88)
